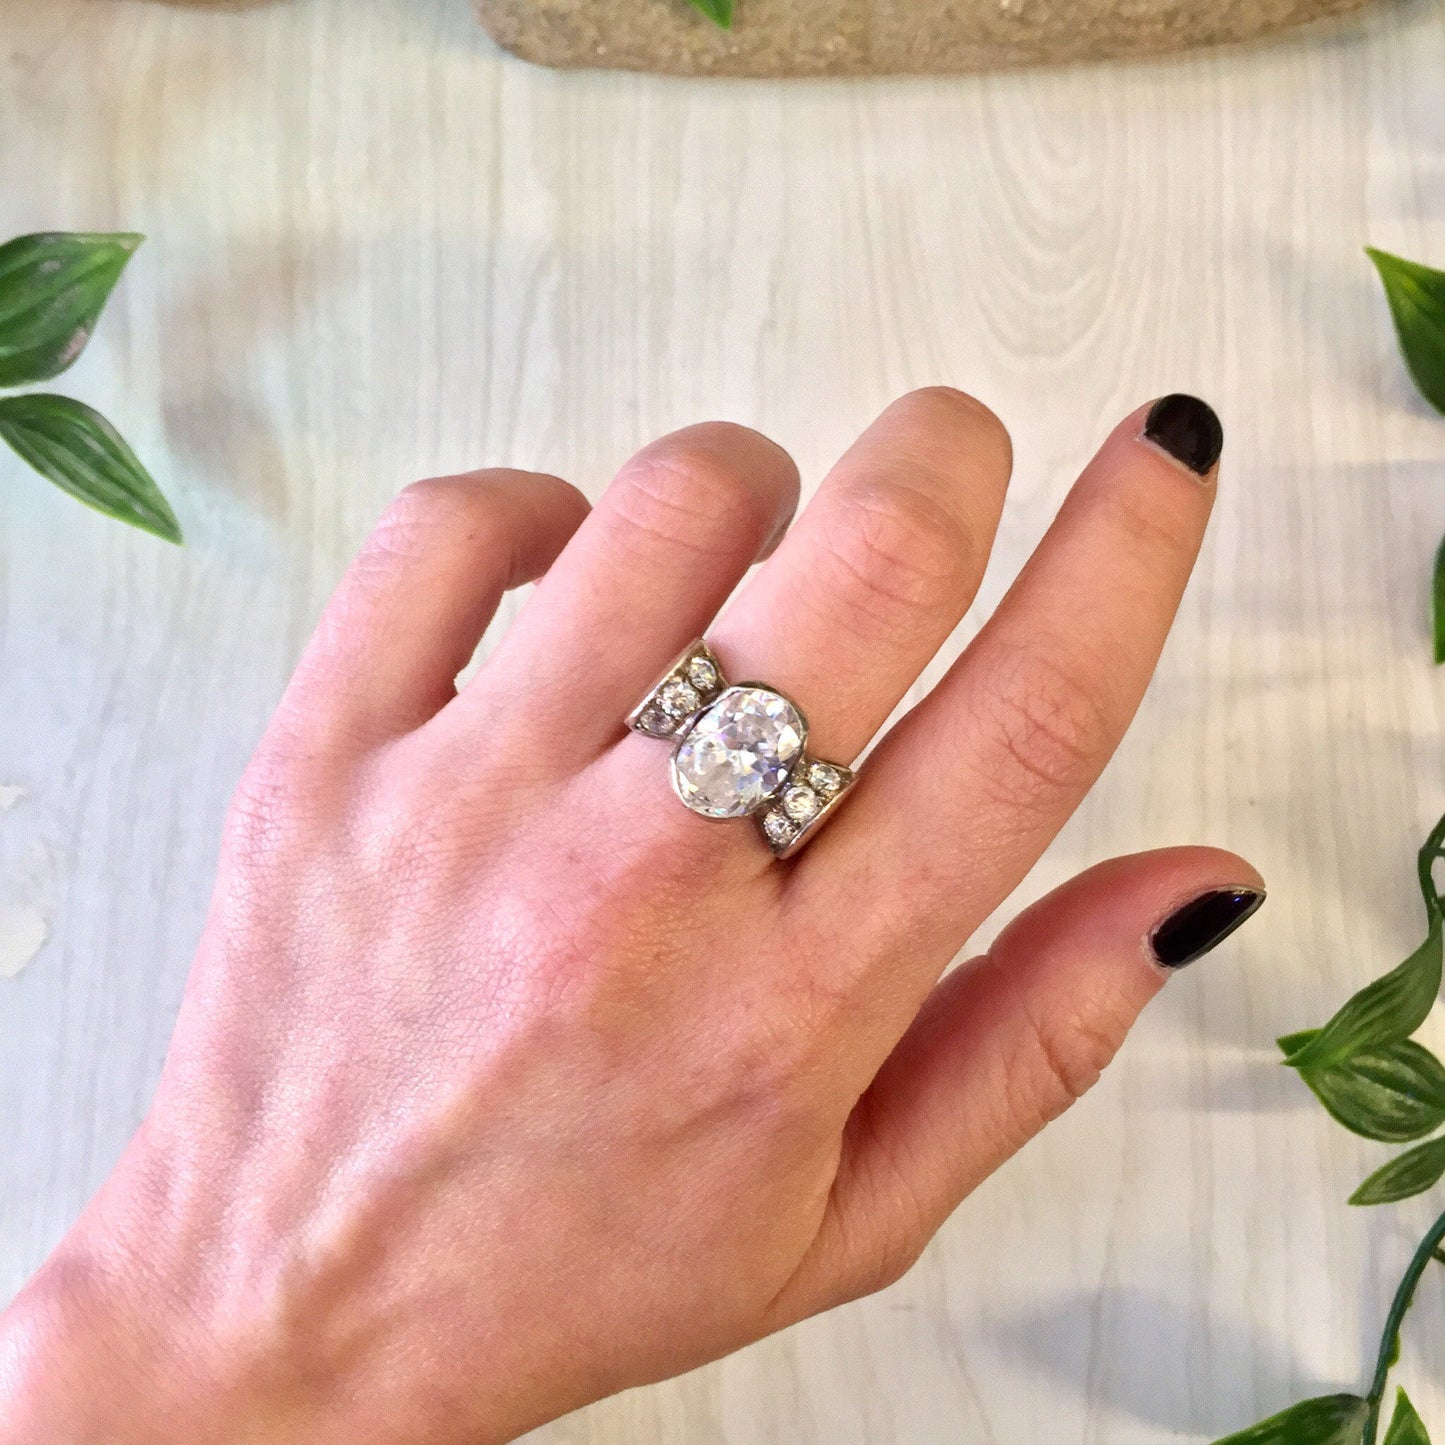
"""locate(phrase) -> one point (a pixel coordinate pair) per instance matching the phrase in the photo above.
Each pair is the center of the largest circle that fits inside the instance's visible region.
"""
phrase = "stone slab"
(861, 37)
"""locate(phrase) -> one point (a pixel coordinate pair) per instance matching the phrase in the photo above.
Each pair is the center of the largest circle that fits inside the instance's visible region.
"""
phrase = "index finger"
(962, 796)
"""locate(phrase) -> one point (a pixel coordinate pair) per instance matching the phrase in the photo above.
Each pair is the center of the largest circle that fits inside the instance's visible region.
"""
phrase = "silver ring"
(739, 750)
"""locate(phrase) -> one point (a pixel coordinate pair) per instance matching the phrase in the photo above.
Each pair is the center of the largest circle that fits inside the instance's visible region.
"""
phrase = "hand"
(503, 1081)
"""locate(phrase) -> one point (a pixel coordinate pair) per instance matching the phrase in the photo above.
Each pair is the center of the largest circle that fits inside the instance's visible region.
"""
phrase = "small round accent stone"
(779, 827)
(657, 722)
(800, 803)
(702, 674)
(679, 698)
(824, 778)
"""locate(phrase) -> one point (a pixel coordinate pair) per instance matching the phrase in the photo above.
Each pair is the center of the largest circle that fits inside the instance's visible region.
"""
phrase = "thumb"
(1005, 1044)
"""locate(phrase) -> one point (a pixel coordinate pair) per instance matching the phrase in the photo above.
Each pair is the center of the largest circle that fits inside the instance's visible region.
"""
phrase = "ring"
(740, 750)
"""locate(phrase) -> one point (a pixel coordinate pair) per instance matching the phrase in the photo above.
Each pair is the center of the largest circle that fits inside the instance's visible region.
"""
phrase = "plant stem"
(1389, 1342)
(1430, 853)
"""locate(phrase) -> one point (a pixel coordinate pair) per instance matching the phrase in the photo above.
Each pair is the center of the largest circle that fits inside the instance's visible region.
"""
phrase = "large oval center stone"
(738, 752)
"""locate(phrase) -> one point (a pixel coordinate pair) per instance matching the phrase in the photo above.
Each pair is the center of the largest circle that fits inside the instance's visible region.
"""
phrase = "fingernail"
(1202, 924)
(1187, 429)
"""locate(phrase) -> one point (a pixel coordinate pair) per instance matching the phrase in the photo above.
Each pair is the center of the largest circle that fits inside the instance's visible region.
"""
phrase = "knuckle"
(892, 1196)
(297, 784)
(1064, 1054)
(778, 1065)
(895, 1260)
(418, 517)
(898, 556)
(686, 497)
(770, 1081)
(779, 1072)
(263, 807)
(435, 502)
(1046, 726)
(457, 512)
(887, 1261)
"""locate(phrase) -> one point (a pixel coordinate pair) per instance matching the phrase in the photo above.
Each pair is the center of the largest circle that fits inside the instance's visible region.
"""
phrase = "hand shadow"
(1136, 1351)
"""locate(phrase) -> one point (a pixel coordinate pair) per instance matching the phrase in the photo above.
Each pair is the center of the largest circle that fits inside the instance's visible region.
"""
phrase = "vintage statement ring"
(740, 750)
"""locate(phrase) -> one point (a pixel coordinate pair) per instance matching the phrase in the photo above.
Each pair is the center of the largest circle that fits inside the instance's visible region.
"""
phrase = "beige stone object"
(879, 37)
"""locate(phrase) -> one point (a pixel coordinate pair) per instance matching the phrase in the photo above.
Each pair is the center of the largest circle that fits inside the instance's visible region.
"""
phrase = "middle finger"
(878, 570)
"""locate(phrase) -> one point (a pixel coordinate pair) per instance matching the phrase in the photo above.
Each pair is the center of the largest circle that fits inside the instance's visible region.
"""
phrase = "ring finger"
(659, 554)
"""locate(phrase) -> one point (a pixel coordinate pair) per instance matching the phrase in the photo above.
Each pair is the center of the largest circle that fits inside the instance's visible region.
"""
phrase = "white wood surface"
(380, 249)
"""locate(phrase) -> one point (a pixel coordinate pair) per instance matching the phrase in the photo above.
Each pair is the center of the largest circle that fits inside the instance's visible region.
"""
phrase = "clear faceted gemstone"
(779, 827)
(801, 803)
(654, 720)
(702, 674)
(679, 698)
(825, 778)
(737, 753)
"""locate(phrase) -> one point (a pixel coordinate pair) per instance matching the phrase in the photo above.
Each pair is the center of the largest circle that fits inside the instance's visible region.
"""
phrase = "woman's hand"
(503, 1081)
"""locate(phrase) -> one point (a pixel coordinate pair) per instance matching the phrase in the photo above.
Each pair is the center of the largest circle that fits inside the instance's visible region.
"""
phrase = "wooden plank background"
(381, 249)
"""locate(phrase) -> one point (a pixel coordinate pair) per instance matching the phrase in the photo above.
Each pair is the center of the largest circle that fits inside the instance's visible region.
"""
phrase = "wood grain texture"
(380, 248)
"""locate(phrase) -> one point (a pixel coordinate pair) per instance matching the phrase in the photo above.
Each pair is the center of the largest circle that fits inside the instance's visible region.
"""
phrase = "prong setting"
(814, 789)
(692, 681)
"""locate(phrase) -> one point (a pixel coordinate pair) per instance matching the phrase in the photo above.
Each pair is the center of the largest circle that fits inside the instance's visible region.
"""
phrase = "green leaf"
(1405, 1176)
(53, 288)
(1330, 1420)
(1394, 1094)
(1384, 1012)
(1437, 603)
(720, 12)
(75, 447)
(1417, 302)
(1406, 1428)
(1393, 1007)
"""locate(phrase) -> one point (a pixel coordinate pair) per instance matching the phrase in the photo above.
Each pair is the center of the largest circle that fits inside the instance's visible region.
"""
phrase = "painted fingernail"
(1187, 429)
(1203, 923)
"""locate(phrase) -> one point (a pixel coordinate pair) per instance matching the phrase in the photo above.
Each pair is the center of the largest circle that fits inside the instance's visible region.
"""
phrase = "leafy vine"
(53, 288)
(1364, 1066)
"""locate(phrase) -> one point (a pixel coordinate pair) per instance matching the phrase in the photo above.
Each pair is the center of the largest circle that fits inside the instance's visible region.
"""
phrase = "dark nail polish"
(1187, 429)
(1203, 924)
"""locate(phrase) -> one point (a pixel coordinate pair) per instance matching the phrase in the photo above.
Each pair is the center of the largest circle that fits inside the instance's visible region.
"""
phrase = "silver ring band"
(740, 750)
